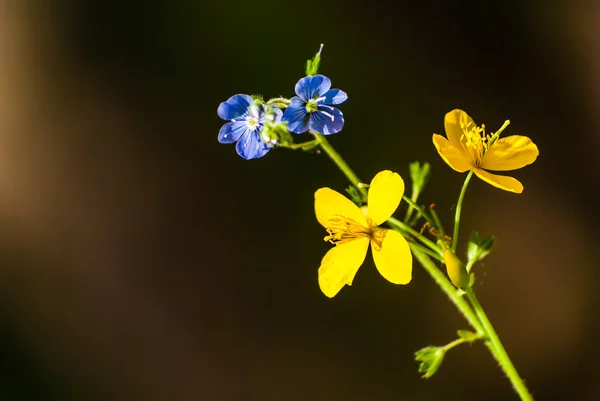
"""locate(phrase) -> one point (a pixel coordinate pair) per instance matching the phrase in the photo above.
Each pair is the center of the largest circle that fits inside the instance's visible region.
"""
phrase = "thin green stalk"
(458, 210)
(497, 348)
(339, 161)
(418, 208)
(408, 229)
(437, 221)
(420, 247)
(455, 343)
(449, 289)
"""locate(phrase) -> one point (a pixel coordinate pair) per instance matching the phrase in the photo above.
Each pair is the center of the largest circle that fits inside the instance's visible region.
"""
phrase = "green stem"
(497, 349)
(454, 343)
(458, 210)
(437, 221)
(337, 159)
(418, 208)
(399, 225)
(449, 289)
(304, 145)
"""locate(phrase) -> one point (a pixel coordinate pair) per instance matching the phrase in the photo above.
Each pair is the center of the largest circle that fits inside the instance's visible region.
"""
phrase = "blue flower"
(246, 121)
(311, 109)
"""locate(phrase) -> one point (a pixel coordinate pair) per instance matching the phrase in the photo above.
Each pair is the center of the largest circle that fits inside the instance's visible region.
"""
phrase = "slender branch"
(339, 161)
(497, 348)
(408, 229)
(446, 286)
(458, 210)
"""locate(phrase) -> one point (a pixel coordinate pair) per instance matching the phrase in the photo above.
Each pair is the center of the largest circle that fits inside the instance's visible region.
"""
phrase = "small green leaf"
(468, 335)
(431, 359)
(419, 175)
(354, 195)
(477, 249)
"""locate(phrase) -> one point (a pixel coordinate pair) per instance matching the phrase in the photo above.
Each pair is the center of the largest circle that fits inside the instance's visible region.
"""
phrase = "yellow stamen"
(342, 229)
(475, 140)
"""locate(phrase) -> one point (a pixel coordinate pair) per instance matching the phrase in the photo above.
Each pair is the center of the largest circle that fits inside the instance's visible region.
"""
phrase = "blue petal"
(296, 116)
(326, 120)
(334, 96)
(232, 131)
(312, 87)
(278, 114)
(250, 146)
(236, 106)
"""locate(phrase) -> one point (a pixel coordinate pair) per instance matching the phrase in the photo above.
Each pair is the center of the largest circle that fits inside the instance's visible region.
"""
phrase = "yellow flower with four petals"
(469, 148)
(351, 231)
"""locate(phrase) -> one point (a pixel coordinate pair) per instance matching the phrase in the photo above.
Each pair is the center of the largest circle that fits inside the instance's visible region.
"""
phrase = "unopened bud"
(454, 267)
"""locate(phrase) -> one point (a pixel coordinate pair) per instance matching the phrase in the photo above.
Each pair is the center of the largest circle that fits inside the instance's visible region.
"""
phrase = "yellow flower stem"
(497, 349)
(458, 210)
(405, 228)
(449, 289)
(342, 165)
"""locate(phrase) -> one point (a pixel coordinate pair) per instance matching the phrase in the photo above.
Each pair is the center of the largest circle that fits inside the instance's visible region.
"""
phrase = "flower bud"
(454, 267)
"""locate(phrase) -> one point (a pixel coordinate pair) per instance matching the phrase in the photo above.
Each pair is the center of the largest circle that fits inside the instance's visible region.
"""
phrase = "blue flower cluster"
(311, 110)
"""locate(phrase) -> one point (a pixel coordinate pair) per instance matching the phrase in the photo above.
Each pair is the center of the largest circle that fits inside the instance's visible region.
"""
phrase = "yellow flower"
(469, 148)
(351, 231)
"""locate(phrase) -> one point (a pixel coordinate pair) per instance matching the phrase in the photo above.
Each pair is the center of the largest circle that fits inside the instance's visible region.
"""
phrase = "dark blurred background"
(142, 260)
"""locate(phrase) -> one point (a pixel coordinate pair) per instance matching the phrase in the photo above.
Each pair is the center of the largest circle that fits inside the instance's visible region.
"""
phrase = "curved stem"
(497, 349)
(337, 159)
(458, 210)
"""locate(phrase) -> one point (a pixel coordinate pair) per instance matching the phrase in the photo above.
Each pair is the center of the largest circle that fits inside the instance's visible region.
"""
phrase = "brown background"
(142, 260)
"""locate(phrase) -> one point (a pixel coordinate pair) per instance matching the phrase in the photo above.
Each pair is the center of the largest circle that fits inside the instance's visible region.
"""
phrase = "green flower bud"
(454, 267)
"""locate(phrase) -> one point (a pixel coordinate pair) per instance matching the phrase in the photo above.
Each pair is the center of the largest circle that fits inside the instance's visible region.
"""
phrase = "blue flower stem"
(459, 209)
(495, 345)
(304, 145)
(342, 165)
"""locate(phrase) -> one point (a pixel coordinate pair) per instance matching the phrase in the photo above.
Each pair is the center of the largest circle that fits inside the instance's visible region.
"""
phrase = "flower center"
(475, 140)
(312, 105)
(251, 122)
(342, 229)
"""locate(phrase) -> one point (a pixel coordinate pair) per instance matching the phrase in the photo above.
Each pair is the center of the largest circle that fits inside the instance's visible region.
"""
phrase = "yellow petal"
(451, 155)
(453, 123)
(510, 153)
(385, 193)
(340, 264)
(392, 256)
(330, 204)
(500, 181)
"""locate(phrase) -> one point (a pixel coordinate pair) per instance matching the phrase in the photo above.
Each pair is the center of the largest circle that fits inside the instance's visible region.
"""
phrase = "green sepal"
(431, 359)
(312, 66)
(275, 134)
